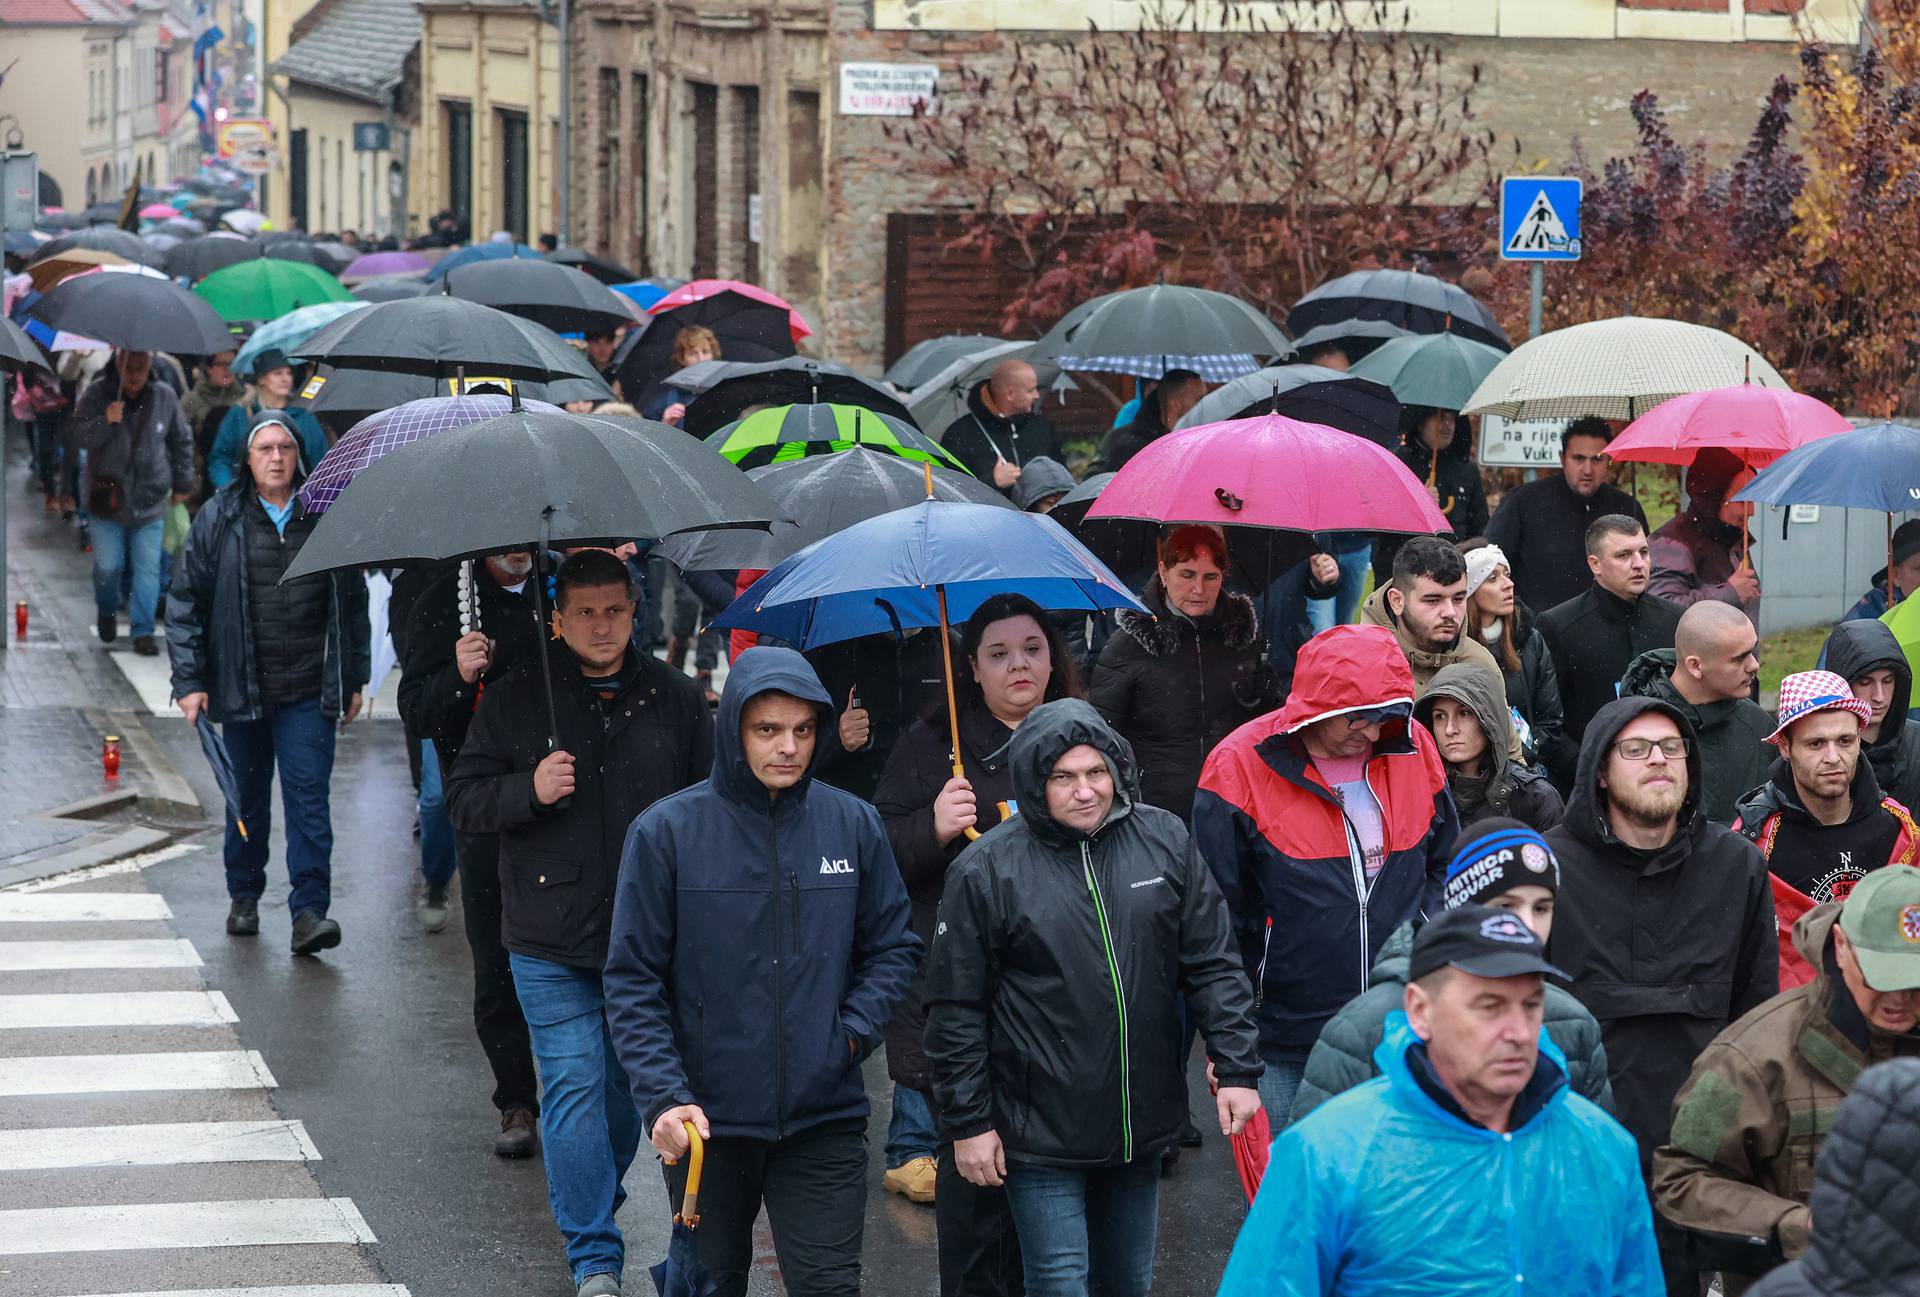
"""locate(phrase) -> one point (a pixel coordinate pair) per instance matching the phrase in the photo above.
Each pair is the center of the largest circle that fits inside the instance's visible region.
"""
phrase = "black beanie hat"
(1496, 855)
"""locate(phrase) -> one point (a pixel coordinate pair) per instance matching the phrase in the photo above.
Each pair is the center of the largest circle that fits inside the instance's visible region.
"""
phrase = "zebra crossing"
(141, 1154)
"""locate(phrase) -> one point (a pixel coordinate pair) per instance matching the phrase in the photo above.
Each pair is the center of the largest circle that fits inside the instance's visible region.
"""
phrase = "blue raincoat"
(1382, 1191)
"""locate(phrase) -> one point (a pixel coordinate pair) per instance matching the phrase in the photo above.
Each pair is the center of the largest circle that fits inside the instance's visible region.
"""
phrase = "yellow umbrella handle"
(689, 1214)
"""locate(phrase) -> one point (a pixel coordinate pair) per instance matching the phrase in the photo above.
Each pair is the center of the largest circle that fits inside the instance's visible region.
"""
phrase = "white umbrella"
(243, 220)
(1616, 369)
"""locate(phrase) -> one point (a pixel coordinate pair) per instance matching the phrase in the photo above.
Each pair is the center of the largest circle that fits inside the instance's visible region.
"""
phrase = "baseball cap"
(1806, 692)
(1881, 917)
(1484, 942)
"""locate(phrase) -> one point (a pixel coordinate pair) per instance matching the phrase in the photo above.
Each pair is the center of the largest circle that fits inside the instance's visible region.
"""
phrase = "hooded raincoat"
(1387, 1191)
(1502, 787)
(1694, 552)
(760, 941)
(1856, 648)
(1732, 733)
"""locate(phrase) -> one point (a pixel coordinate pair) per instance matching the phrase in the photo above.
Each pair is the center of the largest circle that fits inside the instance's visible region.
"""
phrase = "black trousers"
(814, 1186)
(496, 1006)
(978, 1244)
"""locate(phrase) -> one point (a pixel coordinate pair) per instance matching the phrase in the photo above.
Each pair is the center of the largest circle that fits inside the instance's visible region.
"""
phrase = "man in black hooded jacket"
(1869, 658)
(1003, 428)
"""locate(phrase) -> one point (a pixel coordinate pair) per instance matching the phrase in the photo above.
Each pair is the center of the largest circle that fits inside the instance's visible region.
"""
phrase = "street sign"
(887, 89)
(255, 161)
(1540, 218)
(1520, 443)
(245, 135)
(370, 137)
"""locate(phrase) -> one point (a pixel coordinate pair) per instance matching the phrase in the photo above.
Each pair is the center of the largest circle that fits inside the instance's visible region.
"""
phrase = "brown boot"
(516, 1138)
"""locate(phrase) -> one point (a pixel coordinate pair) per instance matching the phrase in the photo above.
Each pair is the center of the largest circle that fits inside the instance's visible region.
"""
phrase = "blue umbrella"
(290, 330)
(645, 292)
(1876, 467)
(479, 252)
(681, 1274)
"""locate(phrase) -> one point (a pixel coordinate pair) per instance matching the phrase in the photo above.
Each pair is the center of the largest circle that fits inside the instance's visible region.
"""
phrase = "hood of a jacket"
(977, 406)
(1486, 695)
(1811, 931)
(214, 394)
(1781, 795)
(1346, 669)
(1374, 612)
(1857, 647)
(1865, 1196)
(1547, 1087)
(1049, 730)
(1039, 478)
(755, 672)
(1586, 815)
(1650, 676)
(1162, 631)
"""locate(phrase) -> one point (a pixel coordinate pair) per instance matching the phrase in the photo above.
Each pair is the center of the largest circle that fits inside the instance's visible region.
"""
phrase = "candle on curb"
(110, 755)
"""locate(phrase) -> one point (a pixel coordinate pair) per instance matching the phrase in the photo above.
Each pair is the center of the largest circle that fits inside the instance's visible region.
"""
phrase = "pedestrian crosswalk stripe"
(82, 907)
(117, 1009)
(138, 1226)
(41, 956)
(62, 1148)
(220, 1069)
(295, 1290)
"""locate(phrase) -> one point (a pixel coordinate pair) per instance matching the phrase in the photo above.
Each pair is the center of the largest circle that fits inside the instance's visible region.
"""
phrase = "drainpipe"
(563, 218)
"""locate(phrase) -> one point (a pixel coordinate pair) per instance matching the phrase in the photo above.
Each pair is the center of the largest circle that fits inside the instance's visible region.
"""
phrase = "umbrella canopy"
(198, 258)
(22, 243)
(289, 331)
(1406, 299)
(727, 390)
(391, 288)
(716, 292)
(525, 478)
(291, 246)
(942, 398)
(1616, 369)
(681, 1274)
(268, 288)
(243, 220)
(221, 763)
(475, 252)
(749, 329)
(372, 264)
(339, 255)
(1130, 546)
(1149, 331)
(1758, 424)
(134, 312)
(1438, 370)
(1876, 467)
(929, 356)
(559, 297)
(444, 337)
(602, 270)
(819, 496)
(386, 431)
(1903, 619)
(1251, 1149)
(159, 212)
(47, 271)
(641, 293)
(1309, 393)
(106, 238)
(18, 351)
(341, 398)
(782, 433)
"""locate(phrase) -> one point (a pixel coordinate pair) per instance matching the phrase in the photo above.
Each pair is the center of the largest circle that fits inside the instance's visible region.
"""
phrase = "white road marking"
(295, 1290)
(43, 956)
(220, 1069)
(134, 1226)
(158, 1144)
(117, 1009)
(82, 907)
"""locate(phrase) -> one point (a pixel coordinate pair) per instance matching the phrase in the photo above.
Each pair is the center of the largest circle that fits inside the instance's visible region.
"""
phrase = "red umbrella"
(1757, 424)
(1251, 1148)
(701, 289)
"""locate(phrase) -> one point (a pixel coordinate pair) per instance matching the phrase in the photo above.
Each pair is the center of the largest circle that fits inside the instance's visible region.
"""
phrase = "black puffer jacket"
(1175, 687)
(212, 636)
(1059, 966)
(1866, 1201)
(1732, 733)
(1665, 947)
(289, 621)
(915, 773)
(1855, 648)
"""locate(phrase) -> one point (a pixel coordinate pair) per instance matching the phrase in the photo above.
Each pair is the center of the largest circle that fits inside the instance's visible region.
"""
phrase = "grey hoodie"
(1510, 789)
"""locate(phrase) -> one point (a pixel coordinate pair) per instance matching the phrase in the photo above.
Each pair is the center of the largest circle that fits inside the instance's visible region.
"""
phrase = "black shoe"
(1169, 1159)
(516, 1137)
(1189, 1135)
(109, 628)
(313, 934)
(243, 917)
(145, 647)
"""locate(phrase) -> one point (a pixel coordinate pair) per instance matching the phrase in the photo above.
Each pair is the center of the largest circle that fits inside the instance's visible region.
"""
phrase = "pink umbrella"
(367, 265)
(158, 212)
(1757, 424)
(701, 289)
(1274, 473)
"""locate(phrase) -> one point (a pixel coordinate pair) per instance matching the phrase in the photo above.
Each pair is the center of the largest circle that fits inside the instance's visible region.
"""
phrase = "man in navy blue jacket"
(760, 947)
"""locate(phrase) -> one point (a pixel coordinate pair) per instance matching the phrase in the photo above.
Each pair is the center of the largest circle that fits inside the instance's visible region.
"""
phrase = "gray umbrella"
(18, 350)
(928, 357)
(445, 337)
(340, 398)
(1416, 303)
(391, 288)
(134, 312)
(936, 403)
(556, 296)
(818, 497)
(1148, 331)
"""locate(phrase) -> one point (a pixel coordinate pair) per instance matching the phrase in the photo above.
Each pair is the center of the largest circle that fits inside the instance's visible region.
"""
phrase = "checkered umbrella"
(385, 432)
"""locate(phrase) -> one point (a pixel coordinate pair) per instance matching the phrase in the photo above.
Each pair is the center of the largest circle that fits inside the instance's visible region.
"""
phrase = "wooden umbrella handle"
(689, 1214)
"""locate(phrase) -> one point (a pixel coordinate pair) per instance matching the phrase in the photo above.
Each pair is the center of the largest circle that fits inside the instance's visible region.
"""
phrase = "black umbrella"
(943, 397)
(444, 337)
(298, 249)
(1148, 331)
(559, 297)
(727, 388)
(106, 238)
(818, 497)
(748, 331)
(339, 256)
(134, 312)
(18, 350)
(1406, 299)
(603, 270)
(926, 358)
(391, 288)
(103, 212)
(340, 398)
(1310, 393)
(198, 258)
(214, 745)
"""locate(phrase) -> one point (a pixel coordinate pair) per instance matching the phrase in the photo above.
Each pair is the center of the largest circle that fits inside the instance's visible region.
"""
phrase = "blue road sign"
(1540, 218)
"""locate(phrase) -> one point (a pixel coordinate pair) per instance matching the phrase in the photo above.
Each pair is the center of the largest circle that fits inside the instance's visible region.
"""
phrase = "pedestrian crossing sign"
(1540, 218)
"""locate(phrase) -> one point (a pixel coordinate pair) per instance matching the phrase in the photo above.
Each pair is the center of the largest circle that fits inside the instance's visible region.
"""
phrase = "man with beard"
(1665, 920)
(1594, 637)
(1820, 819)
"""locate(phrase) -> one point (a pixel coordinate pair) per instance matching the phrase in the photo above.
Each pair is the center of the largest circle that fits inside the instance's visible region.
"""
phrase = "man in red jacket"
(1327, 825)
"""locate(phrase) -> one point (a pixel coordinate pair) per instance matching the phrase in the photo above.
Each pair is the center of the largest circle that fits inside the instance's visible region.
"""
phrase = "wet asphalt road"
(374, 1049)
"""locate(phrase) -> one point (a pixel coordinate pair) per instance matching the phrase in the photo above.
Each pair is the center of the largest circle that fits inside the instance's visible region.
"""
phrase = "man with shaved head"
(1003, 427)
(1708, 677)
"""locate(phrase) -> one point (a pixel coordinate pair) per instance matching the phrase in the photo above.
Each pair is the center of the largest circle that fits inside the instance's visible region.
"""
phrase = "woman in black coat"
(1497, 618)
(1178, 681)
(1012, 658)
(1437, 447)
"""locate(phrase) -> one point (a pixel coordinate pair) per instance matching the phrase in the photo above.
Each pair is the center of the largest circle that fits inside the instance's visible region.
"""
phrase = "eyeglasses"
(1640, 749)
(274, 448)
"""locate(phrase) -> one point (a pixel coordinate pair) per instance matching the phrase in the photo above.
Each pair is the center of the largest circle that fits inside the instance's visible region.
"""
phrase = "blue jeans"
(1086, 1231)
(1355, 561)
(117, 548)
(910, 1129)
(300, 740)
(589, 1128)
(1279, 1083)
(436, 830)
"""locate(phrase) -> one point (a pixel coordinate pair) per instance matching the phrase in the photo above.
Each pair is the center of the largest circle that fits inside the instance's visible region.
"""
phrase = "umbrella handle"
(946, 660)
(689, 1214)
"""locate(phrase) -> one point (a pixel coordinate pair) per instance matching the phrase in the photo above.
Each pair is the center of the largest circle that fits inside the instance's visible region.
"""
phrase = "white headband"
(1480, 565)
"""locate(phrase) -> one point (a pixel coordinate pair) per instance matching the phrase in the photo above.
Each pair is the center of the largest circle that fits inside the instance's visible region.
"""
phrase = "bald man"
(1003, 428)
(1708, 675)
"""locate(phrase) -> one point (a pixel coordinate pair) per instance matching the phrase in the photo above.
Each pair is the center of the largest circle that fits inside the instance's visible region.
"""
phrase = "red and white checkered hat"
(1806, 692)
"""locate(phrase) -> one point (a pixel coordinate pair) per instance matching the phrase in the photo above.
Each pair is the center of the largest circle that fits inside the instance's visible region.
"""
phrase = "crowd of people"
(1497, 892)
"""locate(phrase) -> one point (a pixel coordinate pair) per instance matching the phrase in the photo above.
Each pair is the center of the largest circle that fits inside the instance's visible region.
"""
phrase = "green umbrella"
(266, 288)
(1440, 370)
(781, 433)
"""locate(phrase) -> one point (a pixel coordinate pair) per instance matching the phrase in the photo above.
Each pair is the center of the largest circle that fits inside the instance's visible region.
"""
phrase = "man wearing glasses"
(1327, 825)
(1665, 920)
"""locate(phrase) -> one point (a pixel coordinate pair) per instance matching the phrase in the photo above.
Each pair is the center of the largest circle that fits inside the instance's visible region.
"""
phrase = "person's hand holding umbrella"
(856, 726)
(472, 655)
(669, 1134)
(191, 705)
(954, 810)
